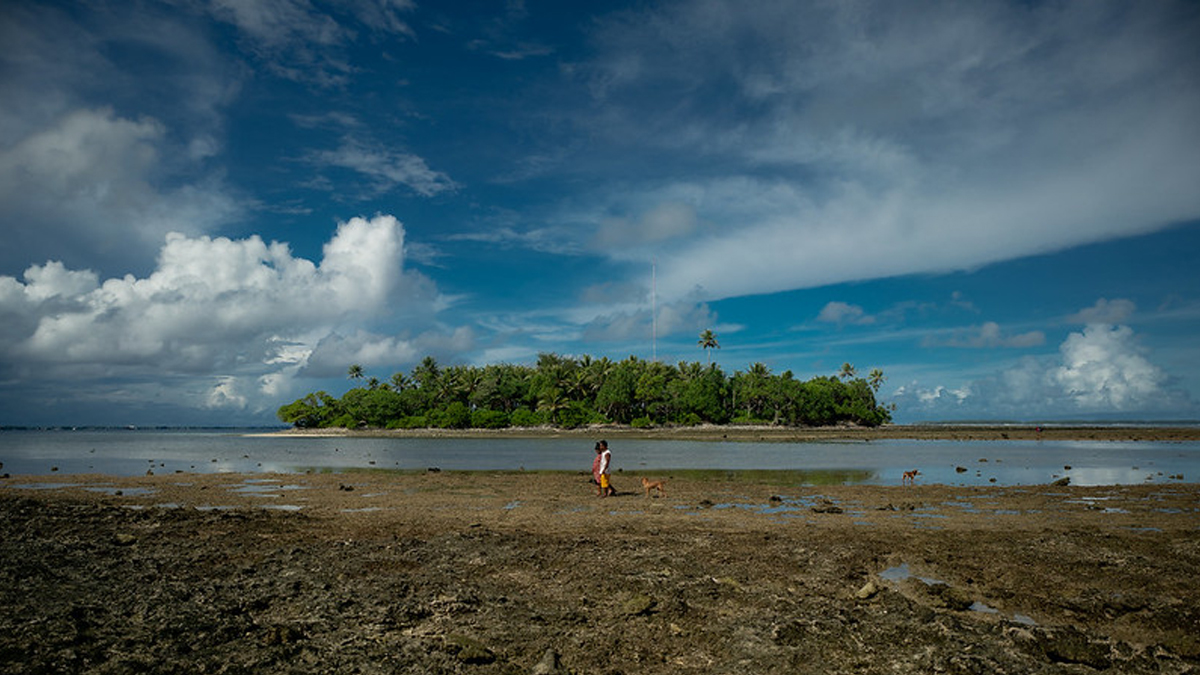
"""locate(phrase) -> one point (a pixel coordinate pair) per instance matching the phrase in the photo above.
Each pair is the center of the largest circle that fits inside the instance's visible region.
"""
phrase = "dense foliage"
(568, 392)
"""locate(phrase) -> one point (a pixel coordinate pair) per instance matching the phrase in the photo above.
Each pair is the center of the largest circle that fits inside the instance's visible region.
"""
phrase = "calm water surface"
(134, 452)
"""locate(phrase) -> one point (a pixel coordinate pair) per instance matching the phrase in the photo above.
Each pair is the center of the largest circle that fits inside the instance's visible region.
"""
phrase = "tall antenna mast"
(653, 310)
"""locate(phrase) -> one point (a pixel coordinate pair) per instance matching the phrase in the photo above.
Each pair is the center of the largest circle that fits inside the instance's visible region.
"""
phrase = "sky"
(210, 208)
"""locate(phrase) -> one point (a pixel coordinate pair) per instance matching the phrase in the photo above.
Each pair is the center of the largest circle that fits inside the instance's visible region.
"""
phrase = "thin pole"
(653, 310)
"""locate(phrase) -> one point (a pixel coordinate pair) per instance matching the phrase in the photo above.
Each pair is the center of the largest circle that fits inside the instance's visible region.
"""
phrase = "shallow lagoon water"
(136, 452)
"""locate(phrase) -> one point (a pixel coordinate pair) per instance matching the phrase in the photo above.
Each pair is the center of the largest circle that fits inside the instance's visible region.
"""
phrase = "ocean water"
(121, 452)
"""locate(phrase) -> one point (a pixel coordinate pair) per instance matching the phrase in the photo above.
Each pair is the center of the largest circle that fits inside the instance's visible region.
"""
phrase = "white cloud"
(843, 313)
(335, 352)
(1105, 311)
(638, 324)
(1103, 367)
(899, 140)
(299, 41)
(387, 168)
(987, 336)
(1101, 370)
(663, 222)
(245, 314)
(85, 188)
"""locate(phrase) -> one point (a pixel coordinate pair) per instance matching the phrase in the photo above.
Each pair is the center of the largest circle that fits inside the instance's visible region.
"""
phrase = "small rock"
(281, 635)
(1062, 482)
(960, 469)
(637, 604)
(469, 650)
(867, 592)
(124, 539)
(1070, 645)
(949, 597)
(549, 665)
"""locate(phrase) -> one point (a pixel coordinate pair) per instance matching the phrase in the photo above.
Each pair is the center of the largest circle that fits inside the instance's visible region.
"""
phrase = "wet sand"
(481, 572)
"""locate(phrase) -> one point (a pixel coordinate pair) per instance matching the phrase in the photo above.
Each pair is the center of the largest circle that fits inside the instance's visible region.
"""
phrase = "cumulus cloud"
(335, 351)
(1105, 311)
(1099, 370)
(102, 153)
(1103, 367)
(85, 188)
(842, 313)
(952, 138)
(237, 312)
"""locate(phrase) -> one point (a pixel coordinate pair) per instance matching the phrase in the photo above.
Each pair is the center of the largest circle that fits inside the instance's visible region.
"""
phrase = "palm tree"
(708, 341)
(427, 373)
(875, 378)
(553, 402)
(400, 382)
(355, 372)
(848, 371)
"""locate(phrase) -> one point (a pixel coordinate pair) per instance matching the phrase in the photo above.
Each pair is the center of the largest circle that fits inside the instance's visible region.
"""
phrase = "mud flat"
(447, 572)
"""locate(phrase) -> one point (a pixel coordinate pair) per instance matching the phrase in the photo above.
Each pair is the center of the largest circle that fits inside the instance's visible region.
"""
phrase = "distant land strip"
(932, 432)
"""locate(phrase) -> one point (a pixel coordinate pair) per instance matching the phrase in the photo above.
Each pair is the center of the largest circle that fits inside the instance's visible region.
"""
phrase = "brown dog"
(909, 477)
(659, 485)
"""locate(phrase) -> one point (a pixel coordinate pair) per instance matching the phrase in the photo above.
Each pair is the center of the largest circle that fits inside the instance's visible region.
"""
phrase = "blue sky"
(211, 208)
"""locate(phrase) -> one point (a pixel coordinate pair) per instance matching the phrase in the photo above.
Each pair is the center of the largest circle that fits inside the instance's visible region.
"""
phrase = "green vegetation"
(573, 392)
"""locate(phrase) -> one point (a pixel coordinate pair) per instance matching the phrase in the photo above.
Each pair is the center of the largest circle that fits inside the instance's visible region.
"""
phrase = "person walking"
(604, 478)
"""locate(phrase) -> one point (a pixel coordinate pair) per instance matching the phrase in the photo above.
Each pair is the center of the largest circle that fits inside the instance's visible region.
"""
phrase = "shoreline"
(713, 433)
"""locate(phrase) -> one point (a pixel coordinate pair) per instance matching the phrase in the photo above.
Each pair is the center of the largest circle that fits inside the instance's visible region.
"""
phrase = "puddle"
(512, 505)
(122, 492)
(264, 488)
(366, 509)
(41, 486)
(281, 507)
(902, 572)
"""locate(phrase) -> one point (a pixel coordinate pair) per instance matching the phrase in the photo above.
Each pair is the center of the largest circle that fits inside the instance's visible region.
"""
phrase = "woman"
(600, 470)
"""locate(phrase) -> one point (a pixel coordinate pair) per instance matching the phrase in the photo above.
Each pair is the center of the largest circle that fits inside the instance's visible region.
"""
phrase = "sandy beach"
(449, 572)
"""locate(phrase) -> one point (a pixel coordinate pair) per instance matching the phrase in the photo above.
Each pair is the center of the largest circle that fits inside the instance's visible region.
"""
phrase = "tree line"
(571, 392)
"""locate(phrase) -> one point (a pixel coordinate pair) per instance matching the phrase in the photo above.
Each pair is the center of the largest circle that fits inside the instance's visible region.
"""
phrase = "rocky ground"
(445, 572)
